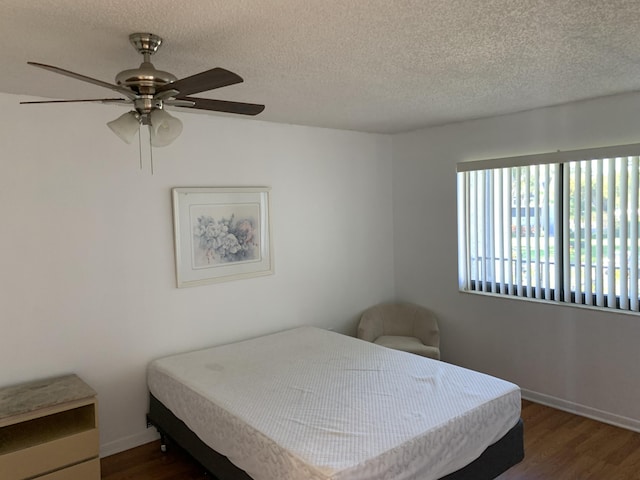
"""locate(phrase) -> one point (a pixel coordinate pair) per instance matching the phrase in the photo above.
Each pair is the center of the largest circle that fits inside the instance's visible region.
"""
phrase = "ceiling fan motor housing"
(145, 79)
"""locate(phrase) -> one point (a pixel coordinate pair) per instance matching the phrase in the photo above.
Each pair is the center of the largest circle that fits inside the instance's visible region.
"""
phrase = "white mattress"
(309, 404)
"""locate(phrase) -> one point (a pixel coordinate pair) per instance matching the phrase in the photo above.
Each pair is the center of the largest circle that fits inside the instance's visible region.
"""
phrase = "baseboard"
(132, 441)
(582, 410)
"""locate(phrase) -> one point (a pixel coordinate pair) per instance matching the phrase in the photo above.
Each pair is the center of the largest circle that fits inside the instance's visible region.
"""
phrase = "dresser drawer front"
(50, 456)
(83, 471)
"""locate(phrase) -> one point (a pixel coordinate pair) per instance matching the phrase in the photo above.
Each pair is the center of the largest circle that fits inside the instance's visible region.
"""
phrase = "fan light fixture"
(163, 127)
(126, 126)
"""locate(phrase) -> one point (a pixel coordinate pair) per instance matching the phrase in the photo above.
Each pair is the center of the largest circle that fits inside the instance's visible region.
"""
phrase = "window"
(560, 227)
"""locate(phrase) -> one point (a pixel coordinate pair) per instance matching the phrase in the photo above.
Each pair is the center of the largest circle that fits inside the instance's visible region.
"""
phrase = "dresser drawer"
(83, 471)
(50, 456)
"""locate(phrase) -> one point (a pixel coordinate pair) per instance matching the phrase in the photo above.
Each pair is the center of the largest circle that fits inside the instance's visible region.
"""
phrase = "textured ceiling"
(368, 65)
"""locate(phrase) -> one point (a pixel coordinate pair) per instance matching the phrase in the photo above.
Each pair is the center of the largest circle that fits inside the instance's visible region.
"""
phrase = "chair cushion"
(408, 344)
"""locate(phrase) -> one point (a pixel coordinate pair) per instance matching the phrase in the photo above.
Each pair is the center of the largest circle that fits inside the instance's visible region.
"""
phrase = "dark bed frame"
(496, 459)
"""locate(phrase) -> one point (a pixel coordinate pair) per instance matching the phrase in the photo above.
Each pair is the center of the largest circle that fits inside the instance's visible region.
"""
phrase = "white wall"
(578, 359)
(87, 280)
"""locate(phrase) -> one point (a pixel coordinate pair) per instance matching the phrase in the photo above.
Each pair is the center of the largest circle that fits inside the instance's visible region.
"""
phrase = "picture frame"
(221, 234)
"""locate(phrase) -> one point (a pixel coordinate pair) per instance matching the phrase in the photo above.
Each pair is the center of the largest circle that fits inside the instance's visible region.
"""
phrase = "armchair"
(402, 326)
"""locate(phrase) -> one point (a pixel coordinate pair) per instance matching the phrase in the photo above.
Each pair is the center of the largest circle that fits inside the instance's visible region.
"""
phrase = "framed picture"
(221, 234)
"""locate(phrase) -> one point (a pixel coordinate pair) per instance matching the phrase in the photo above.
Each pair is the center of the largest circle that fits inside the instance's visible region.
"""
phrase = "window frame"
(512, 288)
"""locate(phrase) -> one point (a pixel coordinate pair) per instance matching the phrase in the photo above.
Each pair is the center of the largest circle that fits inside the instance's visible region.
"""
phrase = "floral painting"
(221, 234)
(225, 234)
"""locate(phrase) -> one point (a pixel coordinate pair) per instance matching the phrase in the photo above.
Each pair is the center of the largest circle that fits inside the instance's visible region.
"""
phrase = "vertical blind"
(559, 227)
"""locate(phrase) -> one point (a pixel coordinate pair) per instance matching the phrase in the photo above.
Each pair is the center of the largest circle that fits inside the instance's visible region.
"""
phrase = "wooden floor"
(558, 445)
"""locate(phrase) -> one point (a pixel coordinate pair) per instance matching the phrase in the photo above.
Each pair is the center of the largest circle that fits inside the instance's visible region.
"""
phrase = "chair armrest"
(425, 327)
(370, 327)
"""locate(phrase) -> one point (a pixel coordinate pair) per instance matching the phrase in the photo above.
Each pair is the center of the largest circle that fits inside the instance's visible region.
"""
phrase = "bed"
(310, 404)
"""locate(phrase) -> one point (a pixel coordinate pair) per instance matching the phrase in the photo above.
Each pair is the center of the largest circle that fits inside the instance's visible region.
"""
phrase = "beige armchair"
(402, 326)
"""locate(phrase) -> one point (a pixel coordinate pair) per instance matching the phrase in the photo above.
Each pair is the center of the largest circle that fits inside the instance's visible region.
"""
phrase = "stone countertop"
(31, 396)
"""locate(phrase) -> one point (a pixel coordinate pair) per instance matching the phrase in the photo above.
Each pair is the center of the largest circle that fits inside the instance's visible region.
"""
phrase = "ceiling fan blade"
(223, 106)
(203, 81)
(124, 91)
(103, 100)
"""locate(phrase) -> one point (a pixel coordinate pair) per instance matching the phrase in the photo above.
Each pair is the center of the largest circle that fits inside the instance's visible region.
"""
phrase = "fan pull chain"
(140, 148)
(151, 154)
(140, 151)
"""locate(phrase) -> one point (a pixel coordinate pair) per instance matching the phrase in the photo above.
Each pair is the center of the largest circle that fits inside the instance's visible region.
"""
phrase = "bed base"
(496, 459)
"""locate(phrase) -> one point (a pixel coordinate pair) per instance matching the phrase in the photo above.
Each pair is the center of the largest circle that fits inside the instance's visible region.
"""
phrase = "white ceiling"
(368, 65)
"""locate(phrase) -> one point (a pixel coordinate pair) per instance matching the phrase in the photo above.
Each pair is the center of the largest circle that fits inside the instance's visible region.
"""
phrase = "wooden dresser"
(49, 430)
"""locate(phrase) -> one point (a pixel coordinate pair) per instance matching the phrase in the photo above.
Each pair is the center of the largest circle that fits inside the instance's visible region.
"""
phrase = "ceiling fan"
(149, 90)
